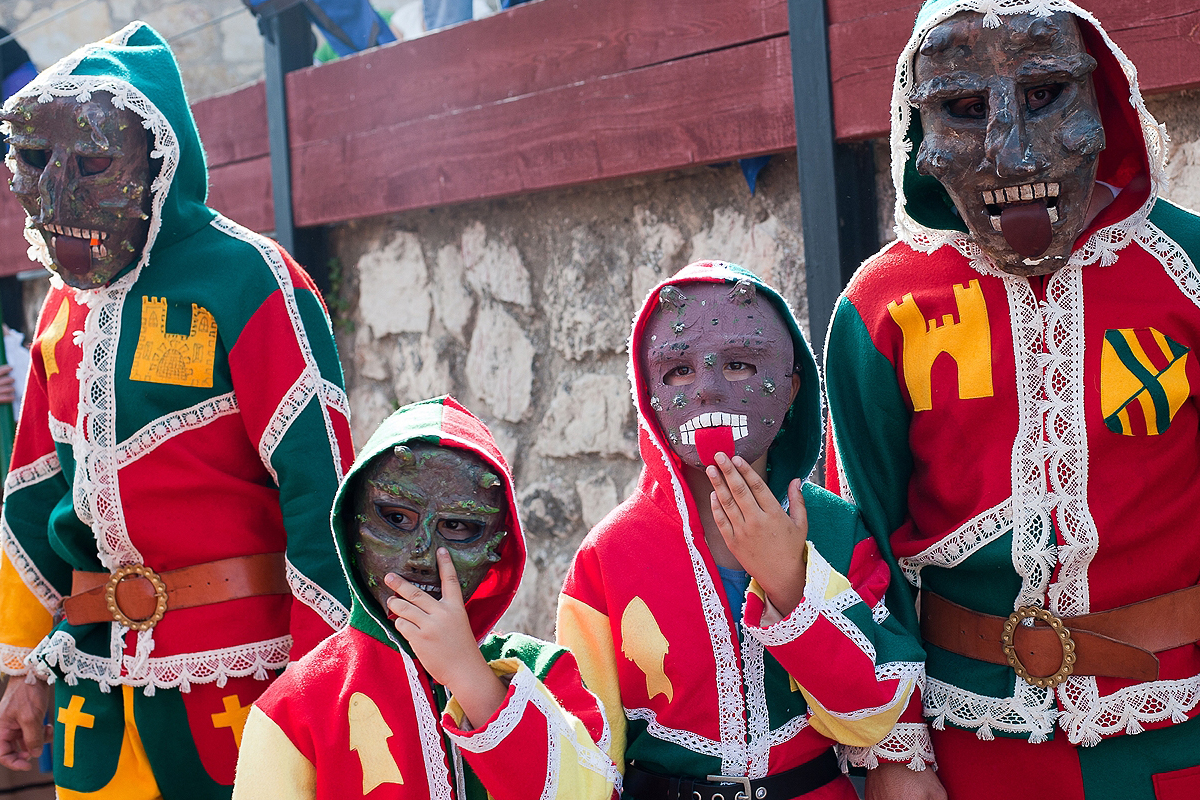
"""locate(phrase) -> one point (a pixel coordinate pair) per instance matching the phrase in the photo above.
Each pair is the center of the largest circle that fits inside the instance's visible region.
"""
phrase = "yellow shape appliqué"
(73, 718)
(368, 737)
(643, 643)
(174, 358)
(968, 342)
(53, 335)
(233, 717)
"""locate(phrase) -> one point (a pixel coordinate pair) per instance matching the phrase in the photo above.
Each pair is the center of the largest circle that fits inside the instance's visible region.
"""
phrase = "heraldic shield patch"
(1143, 380)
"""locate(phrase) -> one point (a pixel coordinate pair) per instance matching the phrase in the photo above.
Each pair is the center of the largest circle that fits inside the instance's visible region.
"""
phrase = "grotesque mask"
(717, 361)
(82, 172)
(417, 498)
(1012, 131)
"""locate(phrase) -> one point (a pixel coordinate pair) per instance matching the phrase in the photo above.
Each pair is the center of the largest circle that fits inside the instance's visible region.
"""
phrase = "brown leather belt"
(137, 597)
(1119, 643)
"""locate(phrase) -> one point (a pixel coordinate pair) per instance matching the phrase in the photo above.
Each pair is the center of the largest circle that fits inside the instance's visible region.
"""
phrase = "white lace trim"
(30, 575)
(754, 670)
(287, 412)
(34, 472)
(788, 730)
(908, 742)
(171, 425)
(1031, 710)
(879, 612)
(951, 550)
(429, 730)
(255, 659)
(312, 595)
(686, 739)
(311, 378)
(906, 673)
(523, 685)
(12, 659)
(1086, 716)
(1102, 245)
(334, 396)
(1174, 259)
(61, 432)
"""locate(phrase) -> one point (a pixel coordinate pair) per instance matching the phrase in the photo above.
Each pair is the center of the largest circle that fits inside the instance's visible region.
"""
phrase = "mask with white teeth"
(412, 500)
(712, 355)
(1012, 131)
(82, 173)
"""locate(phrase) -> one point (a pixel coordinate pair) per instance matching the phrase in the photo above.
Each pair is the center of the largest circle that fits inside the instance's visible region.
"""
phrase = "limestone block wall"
(521, 309)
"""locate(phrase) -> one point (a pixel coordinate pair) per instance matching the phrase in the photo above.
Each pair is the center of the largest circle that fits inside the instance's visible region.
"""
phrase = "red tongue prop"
(710, 441)
(1026, 228)
(72, 254)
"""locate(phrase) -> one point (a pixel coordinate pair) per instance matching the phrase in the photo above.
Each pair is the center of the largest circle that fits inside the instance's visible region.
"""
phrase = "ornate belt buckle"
(742, 794)
(160, 595)
(1064, 639)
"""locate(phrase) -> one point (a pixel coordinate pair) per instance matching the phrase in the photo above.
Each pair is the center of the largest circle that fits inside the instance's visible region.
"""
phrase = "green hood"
(440, 421)
(1134, 159)
(137, 68)
(796, 447)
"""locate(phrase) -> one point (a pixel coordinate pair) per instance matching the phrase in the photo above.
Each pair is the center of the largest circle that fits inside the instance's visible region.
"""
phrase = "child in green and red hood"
(427, 529)
(733, 611)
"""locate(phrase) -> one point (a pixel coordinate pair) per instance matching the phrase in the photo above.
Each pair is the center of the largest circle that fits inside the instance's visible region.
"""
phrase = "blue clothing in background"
(347, 25)
(440, 13)
(735, 581)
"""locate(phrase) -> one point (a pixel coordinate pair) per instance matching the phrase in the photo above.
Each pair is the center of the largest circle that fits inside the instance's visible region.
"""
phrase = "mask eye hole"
(967, 107)
(460, 531)
(400, 518)
(38, 159)
(1041, 96)
(739, 371)
(93, 165)
(680, 376)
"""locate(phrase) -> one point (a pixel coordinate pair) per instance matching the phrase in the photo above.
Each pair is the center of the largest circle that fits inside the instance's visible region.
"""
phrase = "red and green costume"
(689, 689)
(359, 715)
(1033, 442)
(190, 410)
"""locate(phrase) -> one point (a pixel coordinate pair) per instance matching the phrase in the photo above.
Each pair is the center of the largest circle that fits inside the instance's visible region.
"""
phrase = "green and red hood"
(440, 421)
(1134, 159)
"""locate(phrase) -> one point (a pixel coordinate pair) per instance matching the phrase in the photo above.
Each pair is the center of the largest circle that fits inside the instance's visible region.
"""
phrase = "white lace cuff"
(522, 685)
(12, 659)
(792, 626)
(907, 742)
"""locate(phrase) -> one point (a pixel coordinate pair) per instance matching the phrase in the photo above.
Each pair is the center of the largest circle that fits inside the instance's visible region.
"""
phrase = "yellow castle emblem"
(174, 358)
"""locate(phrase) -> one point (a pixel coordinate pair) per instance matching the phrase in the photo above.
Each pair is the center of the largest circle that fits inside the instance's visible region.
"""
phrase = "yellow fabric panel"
(1175, 383)
(860, 732)
(1117, 383)
(369, 733)
(25, 621)
(586, 632)
(53, 335)
(643, 643)
(174, 358)
(269, 766)
(133, 779)
(575, 781)
(504, 669)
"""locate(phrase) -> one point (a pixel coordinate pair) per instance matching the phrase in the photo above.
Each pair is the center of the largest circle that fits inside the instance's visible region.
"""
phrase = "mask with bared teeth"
(717, 361)
(82, 172)
(1012, 131)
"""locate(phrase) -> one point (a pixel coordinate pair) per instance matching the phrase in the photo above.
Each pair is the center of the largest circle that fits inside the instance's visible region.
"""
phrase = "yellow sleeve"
(269, 766)
(586, 632)
(25, 620)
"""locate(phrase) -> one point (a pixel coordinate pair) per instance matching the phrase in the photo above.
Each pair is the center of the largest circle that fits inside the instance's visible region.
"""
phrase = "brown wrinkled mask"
(1012, 131)
(82, 172)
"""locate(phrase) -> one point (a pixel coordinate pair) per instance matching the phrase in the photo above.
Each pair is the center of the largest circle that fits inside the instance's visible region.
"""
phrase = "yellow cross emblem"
(73, 718)
(233, 717)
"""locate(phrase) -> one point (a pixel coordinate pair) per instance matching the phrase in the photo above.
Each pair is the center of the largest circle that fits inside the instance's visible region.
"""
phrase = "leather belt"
(642, 784)
(137, 597)
(1119, 643)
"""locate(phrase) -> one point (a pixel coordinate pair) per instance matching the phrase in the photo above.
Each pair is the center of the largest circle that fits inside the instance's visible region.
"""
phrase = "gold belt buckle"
(1064, 639)
(160, 595)
(743, 794)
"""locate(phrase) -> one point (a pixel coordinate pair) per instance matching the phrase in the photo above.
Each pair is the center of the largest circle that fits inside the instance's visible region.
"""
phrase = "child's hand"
(439, 633)
(767, 541)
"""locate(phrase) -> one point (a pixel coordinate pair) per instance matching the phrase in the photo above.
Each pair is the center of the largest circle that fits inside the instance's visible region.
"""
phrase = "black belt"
(641, 784)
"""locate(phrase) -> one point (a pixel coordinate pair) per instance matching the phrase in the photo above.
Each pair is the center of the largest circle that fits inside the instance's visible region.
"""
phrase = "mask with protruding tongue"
(1026, 216)
(72, 254)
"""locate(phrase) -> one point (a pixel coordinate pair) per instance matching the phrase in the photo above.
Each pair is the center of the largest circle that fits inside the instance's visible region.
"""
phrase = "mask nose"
(1008, 145)
(422, 560)
(54, 184)
(711, 386)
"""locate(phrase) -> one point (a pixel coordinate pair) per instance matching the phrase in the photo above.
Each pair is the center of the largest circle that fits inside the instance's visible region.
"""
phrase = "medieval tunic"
(644, 611)
(190, 410)
(1015, 442)
(360, 713)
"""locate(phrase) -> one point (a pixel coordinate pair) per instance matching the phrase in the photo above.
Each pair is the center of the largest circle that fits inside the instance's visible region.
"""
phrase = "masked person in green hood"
(1015, 399)
(165, 539)
(417, 698)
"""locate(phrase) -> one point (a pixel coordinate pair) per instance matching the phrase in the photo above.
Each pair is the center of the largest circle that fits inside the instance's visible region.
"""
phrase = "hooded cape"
(1016, 441)
(645, 612)
(361, 712)
(203, 379)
